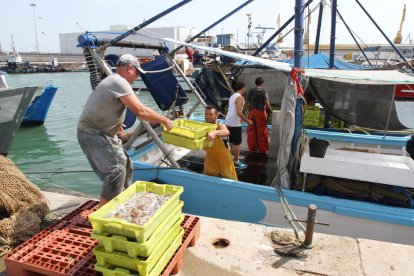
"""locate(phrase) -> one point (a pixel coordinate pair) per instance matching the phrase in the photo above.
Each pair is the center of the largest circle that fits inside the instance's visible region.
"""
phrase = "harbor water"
(49, 155)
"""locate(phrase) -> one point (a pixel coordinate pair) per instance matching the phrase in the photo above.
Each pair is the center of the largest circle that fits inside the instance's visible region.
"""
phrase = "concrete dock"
(251, 250)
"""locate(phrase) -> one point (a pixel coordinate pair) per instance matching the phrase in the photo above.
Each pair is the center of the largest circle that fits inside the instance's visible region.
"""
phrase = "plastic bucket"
(317, 148)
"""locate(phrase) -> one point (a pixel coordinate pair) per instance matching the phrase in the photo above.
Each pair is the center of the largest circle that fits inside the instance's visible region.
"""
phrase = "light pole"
(34, 21)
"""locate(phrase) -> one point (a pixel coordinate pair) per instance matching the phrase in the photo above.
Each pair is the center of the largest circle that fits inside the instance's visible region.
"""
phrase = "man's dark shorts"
(235, 136)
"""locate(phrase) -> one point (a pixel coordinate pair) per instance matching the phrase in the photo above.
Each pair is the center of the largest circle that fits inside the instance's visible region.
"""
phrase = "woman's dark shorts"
(235, 136)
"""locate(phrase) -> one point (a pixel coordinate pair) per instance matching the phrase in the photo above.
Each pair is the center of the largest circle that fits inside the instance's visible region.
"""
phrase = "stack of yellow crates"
(189, 134)
(126, 248)
(311, 116)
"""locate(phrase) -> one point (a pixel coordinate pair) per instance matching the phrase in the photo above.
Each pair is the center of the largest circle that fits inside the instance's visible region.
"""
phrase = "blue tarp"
(319, 61)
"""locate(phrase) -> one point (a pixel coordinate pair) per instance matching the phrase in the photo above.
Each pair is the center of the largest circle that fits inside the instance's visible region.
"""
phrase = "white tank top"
(232, 119)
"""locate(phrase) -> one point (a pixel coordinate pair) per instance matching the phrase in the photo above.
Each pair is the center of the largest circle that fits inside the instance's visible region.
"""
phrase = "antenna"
(306, 38)
(249, 20)
(261, 34)
(409, 38)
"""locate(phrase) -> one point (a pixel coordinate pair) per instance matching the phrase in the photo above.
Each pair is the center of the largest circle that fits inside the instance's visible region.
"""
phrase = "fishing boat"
(251, 199)
(13, 105)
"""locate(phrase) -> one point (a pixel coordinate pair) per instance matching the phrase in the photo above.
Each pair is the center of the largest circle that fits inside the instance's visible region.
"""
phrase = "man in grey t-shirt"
(102, 119)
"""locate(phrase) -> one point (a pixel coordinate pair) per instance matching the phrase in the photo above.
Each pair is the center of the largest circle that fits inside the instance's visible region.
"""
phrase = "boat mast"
(318, 30)
(212, 25)
(353, 37)
(149, 21)
(298, 54)
(333, 34)
(278, 31)
(299, 19)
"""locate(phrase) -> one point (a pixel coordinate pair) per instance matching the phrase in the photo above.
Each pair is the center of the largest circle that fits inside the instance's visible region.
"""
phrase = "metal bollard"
(310, 224)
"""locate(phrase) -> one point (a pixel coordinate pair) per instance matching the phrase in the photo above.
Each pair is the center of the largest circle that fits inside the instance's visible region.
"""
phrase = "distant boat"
(384, 53)
(39, 107)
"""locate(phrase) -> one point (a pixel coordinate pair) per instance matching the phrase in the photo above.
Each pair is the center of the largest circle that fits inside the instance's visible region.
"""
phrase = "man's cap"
(129, 59)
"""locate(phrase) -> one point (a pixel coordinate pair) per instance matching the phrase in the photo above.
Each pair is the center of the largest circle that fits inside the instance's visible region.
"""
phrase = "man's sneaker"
(240, 166)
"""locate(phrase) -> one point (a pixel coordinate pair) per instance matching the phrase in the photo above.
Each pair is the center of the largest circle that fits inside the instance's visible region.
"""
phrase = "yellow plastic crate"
(191, 144)
(101, 224)
(312, 107)
(191, 129)
(312, 114)
(113, 243)
(311, 122)
(153, 265)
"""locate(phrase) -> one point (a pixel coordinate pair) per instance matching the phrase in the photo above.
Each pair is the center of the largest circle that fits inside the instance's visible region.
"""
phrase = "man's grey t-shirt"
(104, 112)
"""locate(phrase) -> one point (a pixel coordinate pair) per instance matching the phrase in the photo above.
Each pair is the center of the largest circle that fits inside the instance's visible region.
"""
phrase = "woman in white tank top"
(233, 121)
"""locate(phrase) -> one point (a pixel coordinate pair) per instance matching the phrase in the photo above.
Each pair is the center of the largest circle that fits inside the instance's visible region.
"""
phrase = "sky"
(53, 17)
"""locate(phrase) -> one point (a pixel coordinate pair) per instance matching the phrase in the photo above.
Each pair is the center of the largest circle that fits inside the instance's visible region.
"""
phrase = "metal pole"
(34, 21)
(138, 131)
(333, 34)
(350, 32)
(187, 81)
(318, 30)
(225, 79)
(299, 22)
(147, 22)
(160, 144)
(299, 30)
(279, 31)
(212, 25)
(310, 225)
(385, 36)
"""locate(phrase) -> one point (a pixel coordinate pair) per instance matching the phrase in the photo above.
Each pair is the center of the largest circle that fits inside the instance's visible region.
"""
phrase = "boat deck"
(261, 169)
(364, 166)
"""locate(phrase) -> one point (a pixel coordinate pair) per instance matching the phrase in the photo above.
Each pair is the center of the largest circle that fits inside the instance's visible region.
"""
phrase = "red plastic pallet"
(191, 226)
(78, 217)
(65, 248)
(57, 253)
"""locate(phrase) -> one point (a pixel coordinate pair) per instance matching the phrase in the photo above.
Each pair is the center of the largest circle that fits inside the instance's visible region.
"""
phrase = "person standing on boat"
(218, 161)
(258, 102)
(233, 121)
(101, 120)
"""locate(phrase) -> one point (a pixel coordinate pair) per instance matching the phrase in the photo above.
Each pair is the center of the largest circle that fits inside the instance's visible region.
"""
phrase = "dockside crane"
(398, 37)
(280, 37)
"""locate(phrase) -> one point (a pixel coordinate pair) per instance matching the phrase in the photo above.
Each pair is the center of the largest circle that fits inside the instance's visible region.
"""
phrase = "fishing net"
(363, 98)
(22, 205)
